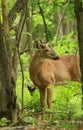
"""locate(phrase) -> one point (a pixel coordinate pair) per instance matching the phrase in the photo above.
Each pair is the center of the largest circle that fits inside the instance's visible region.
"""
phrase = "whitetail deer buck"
(46, 69)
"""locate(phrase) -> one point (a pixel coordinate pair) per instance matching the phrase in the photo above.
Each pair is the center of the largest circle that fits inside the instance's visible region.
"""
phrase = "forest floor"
(45, 126)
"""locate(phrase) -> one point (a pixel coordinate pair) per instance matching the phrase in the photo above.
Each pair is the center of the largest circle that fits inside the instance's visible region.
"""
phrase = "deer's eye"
(42, 46)
(46, 50)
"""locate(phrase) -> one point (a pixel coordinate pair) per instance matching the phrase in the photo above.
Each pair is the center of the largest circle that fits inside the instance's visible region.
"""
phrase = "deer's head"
(45, 51)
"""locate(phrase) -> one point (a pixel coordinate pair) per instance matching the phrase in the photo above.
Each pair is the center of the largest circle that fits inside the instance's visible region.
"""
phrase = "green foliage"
(4, 121)
(30, 102)
(10, 4)
(65, 44)
(30, 120)
(67, 101)
(50, 11)
(27, 96)
(36, 20)
(69, 17)
(35, 101)
(67, 125)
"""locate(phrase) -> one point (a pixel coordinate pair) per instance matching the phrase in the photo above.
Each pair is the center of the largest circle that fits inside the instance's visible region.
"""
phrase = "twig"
(45, 25)
(18, 37)
(77, 64)
(60, 21)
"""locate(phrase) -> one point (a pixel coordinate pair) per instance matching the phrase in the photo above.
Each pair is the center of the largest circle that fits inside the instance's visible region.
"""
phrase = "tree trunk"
(79, 15)
(8, 94)
(5, 82)
(17, 8)
(61, 25)
(29, 30)
(8, 64)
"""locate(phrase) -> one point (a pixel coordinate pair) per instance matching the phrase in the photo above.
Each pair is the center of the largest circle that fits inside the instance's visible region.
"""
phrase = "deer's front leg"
(42, 101)
(49, 100)
(49, 97)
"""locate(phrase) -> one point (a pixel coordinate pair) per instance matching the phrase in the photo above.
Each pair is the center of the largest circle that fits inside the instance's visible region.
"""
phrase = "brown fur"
(45, 71)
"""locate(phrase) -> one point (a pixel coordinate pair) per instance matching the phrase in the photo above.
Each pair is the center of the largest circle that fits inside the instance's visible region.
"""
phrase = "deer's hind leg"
(42, 101)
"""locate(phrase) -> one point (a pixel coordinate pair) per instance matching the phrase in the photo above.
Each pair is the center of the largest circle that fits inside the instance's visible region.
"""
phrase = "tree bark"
(5, 82)
(8, 97)
(79, 15)
(8, 64)
(18, 6)
(29, 44)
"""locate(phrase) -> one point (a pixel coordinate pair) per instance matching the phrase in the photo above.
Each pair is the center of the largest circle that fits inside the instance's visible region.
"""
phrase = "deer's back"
(72, 63)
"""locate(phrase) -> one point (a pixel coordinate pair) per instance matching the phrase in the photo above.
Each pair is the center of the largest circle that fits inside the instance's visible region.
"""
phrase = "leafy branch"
(60, 21)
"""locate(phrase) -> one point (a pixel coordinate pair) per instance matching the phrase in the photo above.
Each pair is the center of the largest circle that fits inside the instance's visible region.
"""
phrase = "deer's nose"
(56, 58)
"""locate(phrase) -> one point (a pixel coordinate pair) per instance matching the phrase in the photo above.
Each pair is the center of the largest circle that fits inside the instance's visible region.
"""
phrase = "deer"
(47, 68)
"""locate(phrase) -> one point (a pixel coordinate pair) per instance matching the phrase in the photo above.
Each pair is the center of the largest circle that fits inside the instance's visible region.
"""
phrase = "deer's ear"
(47, 44)
(36, 44)
(42, 46)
